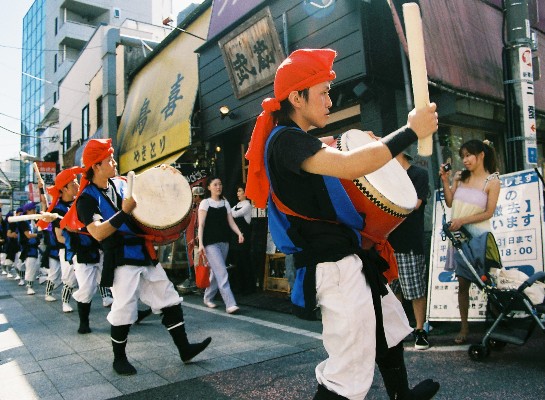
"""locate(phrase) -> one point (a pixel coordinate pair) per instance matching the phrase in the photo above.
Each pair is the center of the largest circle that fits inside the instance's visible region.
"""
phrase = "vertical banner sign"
(528, 106)
(48, 171)
(516, 225)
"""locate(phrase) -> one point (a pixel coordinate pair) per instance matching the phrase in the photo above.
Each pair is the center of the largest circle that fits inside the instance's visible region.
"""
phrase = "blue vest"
(50, 238)
(29, 246)
(303, 293)
(133, 250)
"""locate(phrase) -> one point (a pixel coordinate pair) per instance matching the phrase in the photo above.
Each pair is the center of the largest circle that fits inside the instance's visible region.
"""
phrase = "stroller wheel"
(478, 352)
(496, 344)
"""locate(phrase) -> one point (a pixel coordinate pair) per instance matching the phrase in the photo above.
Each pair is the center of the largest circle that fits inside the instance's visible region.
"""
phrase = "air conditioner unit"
(117, 12)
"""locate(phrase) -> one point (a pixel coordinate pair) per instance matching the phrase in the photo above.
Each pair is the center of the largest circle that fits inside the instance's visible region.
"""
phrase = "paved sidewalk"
(43, 357)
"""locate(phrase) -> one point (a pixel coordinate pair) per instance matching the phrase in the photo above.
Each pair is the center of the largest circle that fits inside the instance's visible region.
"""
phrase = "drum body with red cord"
(164, 201)
(386, 196)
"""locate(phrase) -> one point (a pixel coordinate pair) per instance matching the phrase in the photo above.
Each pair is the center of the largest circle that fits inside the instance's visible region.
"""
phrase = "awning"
(168, 160)
(156, 120)
(462, 55)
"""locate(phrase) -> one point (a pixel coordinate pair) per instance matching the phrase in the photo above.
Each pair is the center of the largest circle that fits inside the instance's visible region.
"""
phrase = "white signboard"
(517, 226)
(528, 105)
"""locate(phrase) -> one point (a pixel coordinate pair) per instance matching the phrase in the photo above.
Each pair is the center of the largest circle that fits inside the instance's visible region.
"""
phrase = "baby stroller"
(512, 315)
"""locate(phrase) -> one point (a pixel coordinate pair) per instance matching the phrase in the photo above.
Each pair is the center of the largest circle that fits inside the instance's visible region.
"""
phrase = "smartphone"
(447, 167)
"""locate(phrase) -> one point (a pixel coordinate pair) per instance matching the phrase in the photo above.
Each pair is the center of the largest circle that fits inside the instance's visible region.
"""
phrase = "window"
(55, 63)
(99, 112)
(56, 25)
(54, 97)
(85, 122)
(66, 138)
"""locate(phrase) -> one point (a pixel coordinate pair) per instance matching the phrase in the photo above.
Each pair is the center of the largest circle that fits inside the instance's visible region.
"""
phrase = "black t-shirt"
(409, 235)
(306, 194)
(88, 209)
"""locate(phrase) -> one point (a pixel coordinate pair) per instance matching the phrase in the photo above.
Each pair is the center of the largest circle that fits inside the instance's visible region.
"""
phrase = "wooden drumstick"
(130, 184)
(40, 180)
(417, 60)
(31, 217)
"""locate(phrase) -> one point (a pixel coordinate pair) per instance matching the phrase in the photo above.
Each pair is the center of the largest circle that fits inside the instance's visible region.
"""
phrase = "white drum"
(164, 202)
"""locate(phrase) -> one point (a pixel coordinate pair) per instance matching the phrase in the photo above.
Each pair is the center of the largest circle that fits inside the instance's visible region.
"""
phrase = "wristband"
(399, 140)
(119, 219)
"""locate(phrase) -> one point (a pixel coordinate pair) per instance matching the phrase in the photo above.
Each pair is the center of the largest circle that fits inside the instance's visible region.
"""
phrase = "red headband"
(95, 151)
(301, 70)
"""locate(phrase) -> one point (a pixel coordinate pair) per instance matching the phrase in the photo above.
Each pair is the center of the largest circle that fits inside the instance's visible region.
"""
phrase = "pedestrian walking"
(215, 224)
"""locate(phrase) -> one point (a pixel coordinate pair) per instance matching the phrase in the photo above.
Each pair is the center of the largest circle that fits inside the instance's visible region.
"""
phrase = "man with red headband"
(129, 268)
(312, 217)
(30, 241)
(61, 270)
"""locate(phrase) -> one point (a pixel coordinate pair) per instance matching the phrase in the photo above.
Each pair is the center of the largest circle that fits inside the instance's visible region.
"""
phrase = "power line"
(35, 48)
(25, 135)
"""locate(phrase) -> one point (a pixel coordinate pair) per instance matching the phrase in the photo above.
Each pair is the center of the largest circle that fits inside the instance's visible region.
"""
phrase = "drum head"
(391, 183)
(163, 196)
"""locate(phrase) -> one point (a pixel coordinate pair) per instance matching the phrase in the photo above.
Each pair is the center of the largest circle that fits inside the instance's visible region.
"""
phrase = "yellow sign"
(156, 119)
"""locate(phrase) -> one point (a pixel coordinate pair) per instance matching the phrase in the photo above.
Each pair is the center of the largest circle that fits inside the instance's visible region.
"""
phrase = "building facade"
(54, 34)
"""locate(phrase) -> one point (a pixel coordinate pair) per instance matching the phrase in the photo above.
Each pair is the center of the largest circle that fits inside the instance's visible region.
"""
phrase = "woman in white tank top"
(473, 197)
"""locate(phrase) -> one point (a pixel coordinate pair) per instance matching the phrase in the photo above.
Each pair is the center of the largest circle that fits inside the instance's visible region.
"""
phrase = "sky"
(11, 33)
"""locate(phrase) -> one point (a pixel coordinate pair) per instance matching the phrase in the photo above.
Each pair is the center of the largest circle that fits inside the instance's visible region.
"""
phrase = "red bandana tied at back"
(95, 151)
(63, 178)
(301, 70)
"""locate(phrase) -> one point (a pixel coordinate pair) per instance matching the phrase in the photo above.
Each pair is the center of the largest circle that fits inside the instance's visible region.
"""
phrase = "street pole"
(521, 144)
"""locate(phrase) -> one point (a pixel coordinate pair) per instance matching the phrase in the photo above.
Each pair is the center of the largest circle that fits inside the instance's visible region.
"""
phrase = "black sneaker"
(421, 340)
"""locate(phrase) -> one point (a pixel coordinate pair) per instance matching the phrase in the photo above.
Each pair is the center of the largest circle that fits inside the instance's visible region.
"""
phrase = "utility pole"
(521, 145)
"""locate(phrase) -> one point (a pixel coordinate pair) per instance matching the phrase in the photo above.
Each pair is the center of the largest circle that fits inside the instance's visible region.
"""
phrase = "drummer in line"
(130, 268)
(362, 321)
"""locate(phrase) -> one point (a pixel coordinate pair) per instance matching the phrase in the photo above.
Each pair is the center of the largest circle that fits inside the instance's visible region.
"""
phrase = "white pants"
(88, 277)
(219, 278)
(348, 319)
(17, 262)
(54, 272)
(32, 264)
(150, 284)
(68, 276)
(3, 258)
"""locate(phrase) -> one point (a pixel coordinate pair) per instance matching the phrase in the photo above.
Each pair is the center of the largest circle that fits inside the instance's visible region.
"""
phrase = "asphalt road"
(514, 372)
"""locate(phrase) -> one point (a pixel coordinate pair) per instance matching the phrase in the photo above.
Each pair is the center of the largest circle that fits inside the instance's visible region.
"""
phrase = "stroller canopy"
(481, 253)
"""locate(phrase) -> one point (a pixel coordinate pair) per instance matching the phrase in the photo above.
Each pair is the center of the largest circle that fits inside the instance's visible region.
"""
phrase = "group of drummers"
(34, 249)
(106, 251)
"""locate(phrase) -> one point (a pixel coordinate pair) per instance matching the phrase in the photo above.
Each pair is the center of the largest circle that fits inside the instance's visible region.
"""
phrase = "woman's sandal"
(460, 339)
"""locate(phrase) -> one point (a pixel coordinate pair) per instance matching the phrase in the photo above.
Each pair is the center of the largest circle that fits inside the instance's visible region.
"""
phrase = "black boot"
(173, 319)
(119, 341)
(83, 311)
(324, 394)
(393, 371)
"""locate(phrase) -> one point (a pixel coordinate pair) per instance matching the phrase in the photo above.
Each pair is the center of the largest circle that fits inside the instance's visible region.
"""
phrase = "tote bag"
(202, 273)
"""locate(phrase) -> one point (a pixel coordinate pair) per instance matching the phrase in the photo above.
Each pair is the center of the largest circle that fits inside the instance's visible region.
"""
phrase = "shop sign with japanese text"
(252, 53)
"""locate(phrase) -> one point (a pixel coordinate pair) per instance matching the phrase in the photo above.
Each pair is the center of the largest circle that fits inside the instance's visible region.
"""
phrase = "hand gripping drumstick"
(417, 60)
(42, 189)
(130, 184)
